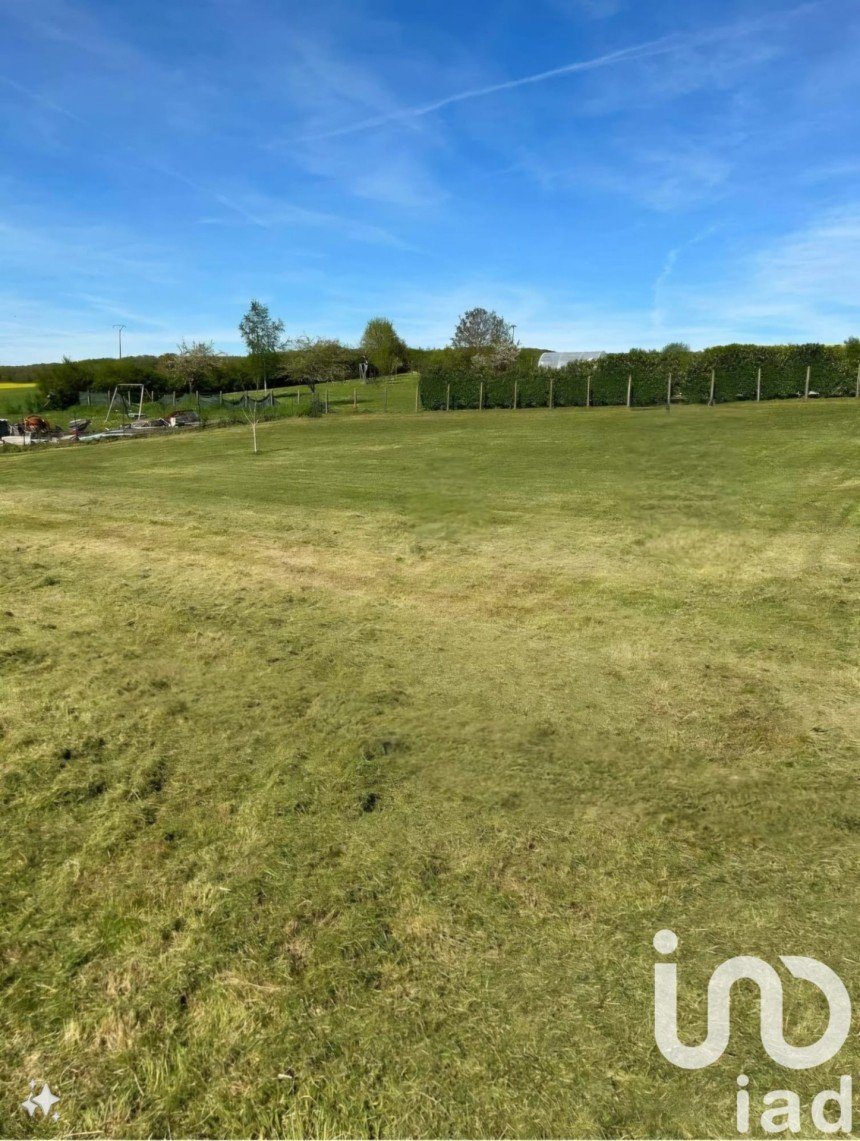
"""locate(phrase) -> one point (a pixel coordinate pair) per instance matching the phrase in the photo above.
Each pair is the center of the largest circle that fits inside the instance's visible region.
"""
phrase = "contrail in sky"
(639, 51)
(662, 46)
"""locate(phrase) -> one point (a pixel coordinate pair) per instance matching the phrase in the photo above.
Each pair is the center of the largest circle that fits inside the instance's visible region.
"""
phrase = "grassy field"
(345, 786)
(16, 399)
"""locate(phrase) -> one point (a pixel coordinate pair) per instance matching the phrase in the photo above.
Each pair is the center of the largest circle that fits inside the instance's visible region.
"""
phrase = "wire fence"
(543, 388)
(201, 400)
(588, 386)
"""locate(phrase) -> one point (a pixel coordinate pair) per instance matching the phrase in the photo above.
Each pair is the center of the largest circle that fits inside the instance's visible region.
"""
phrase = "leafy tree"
(382, 346)
(264, 339)
(676, 357)
(143, 370)
(852, 351)
(195, 366)
(164, 365)
(235, 374)
(59, 384)
(319, 360)
(480, 329)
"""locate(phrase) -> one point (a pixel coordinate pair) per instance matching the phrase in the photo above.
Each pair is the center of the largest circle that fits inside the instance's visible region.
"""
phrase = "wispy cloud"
(270, 213)
(639, 51)
(674, 175)
(803, 286)
(590, 9)
(659, 309)
(816, 269)
(139, 187)
(649, 49)
(842, 169)
(39, 99)
(93, 251)
(36, 330)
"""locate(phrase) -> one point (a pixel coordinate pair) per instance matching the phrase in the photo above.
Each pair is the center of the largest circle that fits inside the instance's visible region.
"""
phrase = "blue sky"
(605, 173)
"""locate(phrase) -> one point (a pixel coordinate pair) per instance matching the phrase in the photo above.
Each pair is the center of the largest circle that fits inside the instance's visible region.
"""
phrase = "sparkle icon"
(44, 1100)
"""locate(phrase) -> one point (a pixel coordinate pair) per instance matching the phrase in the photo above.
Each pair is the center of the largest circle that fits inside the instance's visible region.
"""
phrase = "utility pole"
(513, 329)
(119, 329)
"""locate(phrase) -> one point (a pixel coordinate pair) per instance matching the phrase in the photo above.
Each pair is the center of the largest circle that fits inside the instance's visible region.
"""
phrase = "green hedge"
(783, 371)
(449, 379)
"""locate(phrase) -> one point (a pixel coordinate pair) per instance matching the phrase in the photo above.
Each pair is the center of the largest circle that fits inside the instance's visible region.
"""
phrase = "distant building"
(559, 360)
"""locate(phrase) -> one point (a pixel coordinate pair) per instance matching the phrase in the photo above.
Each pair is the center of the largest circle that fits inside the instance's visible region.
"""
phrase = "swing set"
(123, 398)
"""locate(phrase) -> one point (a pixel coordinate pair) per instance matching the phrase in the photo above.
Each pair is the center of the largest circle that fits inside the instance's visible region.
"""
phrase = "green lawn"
(345, 786)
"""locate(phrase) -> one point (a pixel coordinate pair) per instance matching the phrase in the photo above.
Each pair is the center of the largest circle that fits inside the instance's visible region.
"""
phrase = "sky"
(603, 173)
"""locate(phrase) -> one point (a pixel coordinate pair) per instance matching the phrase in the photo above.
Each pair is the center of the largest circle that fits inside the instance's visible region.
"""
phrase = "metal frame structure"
(122, 399)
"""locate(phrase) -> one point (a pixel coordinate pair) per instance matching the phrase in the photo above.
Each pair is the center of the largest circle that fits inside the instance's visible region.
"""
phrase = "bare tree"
(253, 418)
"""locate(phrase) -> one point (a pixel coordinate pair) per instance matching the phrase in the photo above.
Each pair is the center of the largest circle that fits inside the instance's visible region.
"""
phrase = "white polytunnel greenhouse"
(559, 360)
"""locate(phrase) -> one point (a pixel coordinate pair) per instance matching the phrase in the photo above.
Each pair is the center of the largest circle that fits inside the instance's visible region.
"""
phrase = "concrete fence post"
(630, 390)
(806, 385)
(551, 390)
(713, 383)
(515, 392)
(588, 392)
(448, 397)
(758, 385)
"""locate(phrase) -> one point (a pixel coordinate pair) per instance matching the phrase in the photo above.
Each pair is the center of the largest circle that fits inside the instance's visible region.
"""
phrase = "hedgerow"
(449, 380)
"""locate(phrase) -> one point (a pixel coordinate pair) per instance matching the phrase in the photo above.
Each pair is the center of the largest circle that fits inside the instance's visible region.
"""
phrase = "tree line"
(483, 343)
(272, 359)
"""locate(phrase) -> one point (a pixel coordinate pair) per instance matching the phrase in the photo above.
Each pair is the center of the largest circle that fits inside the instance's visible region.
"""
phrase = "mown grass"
(344, 787)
